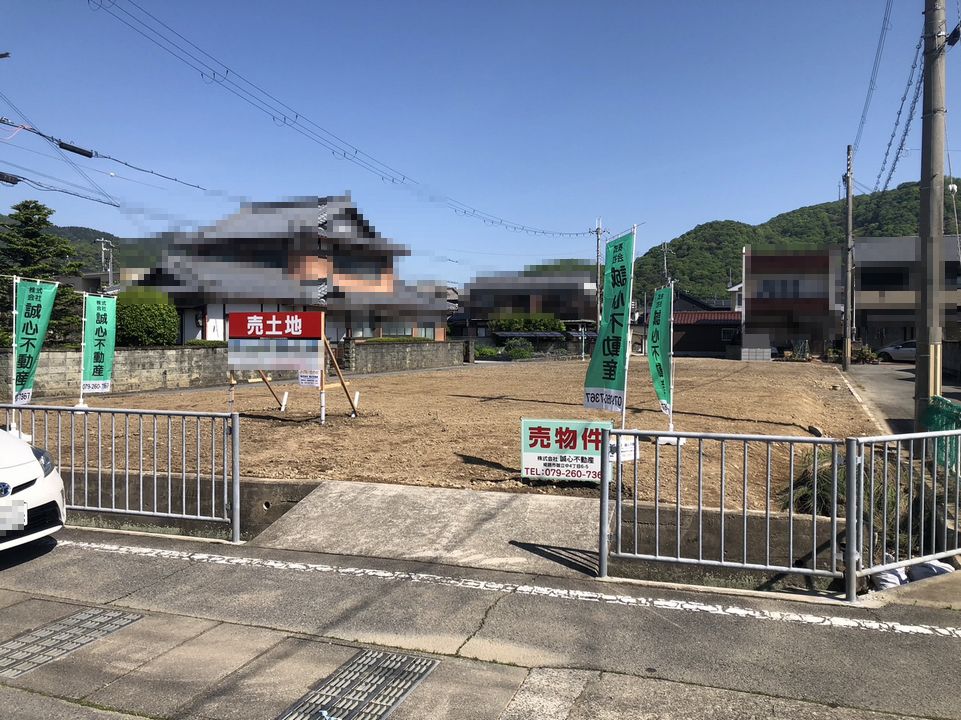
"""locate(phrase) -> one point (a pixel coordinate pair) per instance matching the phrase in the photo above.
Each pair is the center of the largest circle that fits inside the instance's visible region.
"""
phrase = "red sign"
(265, 325)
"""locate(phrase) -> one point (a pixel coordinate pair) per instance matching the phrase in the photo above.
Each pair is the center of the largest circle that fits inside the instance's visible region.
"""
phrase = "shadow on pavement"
(582, 561)
(25, 553)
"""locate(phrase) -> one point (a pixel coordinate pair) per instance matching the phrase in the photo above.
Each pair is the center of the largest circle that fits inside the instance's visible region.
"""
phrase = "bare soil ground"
(460, 427)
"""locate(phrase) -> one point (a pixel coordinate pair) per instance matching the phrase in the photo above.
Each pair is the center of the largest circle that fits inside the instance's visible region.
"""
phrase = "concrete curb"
(867, 406)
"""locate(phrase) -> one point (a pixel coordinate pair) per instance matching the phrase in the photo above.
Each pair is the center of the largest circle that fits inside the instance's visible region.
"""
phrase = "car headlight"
(43, 457)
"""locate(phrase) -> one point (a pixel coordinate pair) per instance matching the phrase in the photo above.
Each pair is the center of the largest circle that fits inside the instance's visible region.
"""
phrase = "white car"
(901, 352)
(31, 493)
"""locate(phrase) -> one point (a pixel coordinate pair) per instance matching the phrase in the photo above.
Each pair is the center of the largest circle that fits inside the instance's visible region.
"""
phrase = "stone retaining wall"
(365, 357)
(142, 369)
(58, 372)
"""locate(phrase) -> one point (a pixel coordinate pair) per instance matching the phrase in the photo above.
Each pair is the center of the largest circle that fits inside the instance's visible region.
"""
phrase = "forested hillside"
(702, 259)
(138, 253)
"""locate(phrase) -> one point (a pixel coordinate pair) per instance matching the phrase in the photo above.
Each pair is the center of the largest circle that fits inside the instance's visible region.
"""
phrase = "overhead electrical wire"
(36, 184)
(885, 26)
(907, 128)
(897, 118)
(282, 114)
(56, 145)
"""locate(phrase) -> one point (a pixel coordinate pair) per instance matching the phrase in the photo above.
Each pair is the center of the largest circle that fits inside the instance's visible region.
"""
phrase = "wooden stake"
(232, 382)
(263, 376)
(340, 377)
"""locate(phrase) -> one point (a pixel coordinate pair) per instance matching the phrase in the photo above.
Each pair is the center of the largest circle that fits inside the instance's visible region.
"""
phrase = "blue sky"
(547, 113)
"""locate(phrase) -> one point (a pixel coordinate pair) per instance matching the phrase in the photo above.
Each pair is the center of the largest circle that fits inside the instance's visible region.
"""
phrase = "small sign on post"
(562, 449)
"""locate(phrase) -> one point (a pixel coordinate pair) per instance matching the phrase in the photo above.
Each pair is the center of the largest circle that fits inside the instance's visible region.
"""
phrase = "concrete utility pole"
(106, 259)
(597, 231)
(928, 317)
(849, 264)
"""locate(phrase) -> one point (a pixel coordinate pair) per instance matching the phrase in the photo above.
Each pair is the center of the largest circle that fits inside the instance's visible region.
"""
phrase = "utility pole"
(849, 264)
(667, 278)
(928, 318)
(597, 231)
(106, 259)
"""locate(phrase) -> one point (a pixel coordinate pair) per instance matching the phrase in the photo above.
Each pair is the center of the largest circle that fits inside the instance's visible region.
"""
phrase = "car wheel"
(885, 357)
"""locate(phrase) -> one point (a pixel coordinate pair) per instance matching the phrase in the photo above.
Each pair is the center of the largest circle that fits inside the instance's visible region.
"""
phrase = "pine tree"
(27, 249)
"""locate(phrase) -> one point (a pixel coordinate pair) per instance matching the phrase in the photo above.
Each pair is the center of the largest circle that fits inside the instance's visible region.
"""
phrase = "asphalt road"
(242, 632)
(889, 389)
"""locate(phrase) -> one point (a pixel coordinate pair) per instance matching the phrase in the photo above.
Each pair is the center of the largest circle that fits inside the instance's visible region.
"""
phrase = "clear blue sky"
(546, 112)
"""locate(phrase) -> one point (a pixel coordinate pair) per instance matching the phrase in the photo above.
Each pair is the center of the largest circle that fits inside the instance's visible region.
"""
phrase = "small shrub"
(832, 356)
(146, 317)
(206, 343)
(519, 349)
(809, 498)
(398, 339)
(485, 352)
(526, 322)
(864, 354)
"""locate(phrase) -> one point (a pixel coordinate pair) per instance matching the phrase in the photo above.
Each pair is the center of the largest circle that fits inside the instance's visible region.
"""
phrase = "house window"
(426, 330)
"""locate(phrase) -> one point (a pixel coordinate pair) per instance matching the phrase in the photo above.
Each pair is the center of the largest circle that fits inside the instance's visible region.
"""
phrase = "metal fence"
(780, 504)
(181, 465)
(909, 492)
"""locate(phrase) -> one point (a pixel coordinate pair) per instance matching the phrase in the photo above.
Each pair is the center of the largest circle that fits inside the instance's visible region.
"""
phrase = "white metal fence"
(780, 504)
(182, 465)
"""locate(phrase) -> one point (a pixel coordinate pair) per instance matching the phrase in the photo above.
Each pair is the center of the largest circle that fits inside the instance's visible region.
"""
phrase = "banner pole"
(670, 417)
(630, 331)
(83, 345)
(13, 349)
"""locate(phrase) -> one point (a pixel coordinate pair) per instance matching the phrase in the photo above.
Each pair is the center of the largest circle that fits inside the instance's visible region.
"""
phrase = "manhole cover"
(54, 640)
(368, 687)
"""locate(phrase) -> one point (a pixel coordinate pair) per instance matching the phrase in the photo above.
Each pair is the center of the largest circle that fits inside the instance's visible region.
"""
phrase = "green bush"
(486, 352)
(815, 496)
(518, 349)
(863, 354)
(146, 317)
(206, 343)
(524, 322)
(398, 339)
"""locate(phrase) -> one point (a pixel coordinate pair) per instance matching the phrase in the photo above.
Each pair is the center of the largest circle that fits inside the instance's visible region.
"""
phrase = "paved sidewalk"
(519, 532)
(241, 633)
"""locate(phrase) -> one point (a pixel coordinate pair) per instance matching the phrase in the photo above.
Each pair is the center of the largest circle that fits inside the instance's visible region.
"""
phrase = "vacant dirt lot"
(461, 427)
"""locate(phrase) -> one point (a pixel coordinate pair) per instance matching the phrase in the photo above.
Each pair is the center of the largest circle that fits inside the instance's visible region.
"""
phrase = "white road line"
(691, 606)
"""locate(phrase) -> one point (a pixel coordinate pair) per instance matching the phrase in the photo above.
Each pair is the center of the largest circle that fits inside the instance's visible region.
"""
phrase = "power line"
(282, 114)
(897, 118)
(36, 184)
(907, 128)
(57, 146)
(885, 25)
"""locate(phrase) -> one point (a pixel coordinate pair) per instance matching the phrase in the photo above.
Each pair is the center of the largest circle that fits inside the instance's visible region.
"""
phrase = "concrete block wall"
(58, 371)
(361, 357)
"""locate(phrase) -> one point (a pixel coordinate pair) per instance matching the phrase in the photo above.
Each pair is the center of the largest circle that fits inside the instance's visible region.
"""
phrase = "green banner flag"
(99, 333)
(659, 349)
(605, 386)
(34, 305)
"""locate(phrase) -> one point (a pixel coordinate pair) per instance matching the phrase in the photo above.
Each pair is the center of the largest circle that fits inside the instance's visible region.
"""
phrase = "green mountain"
(138, 253)
(702, 260)
(128, 253)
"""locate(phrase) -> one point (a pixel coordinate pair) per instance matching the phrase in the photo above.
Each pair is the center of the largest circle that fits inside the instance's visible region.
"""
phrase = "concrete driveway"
(888, 389)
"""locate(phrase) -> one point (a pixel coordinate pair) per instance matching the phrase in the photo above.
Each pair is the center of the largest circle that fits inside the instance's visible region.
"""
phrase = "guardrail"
(782, 504)
(182, 465)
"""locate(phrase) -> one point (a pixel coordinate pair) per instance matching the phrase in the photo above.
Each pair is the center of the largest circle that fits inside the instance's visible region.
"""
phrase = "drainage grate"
(368, 687)
(51, 642)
